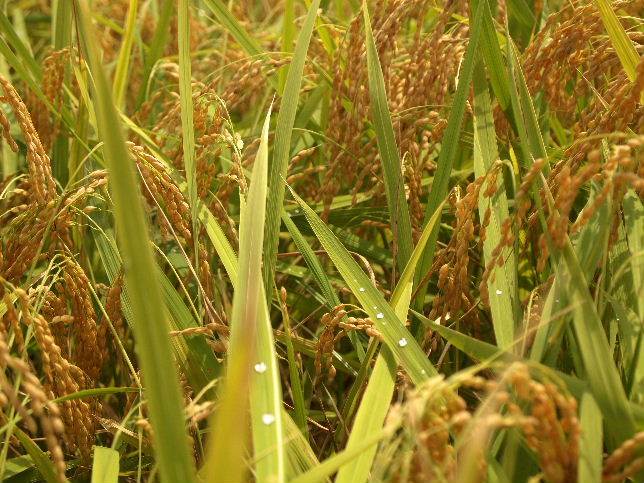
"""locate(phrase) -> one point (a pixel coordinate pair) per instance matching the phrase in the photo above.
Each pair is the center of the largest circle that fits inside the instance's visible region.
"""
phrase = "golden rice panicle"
(552, 427)
(625, 462)
(353, 156)
(434, 60)
(11, 321)
(88, 350)
(511, 225)
(53, 76)
(344, 126)
(46, 411)
(614, 112)
(63, 378)
(453, 262)
(114, 310)
(5, 126)
(159, 188)
(336, 324)
(24, 235)
(558, 52)
(245, 86)
(39, 164)
(431, 415)
(330, 322)
(351, 162)
(24, 238)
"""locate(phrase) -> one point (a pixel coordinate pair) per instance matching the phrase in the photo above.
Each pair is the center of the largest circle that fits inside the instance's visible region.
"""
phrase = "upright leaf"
(282, 149)
(502, 287)
(122, 70)
(156, 47)
(251, 350)
(622, 44)
(149, 314)
(187, 121)
(591, 439)
(239, 33)
(391, 166)
(105, 465)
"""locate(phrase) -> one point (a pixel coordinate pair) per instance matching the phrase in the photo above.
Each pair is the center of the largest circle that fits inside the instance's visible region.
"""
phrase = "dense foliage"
(301, 241)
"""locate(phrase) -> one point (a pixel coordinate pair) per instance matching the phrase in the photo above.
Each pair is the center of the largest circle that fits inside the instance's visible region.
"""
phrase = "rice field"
(301, 241)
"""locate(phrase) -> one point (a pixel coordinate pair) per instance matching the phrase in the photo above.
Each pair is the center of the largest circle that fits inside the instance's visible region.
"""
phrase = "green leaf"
(38, 456)
(377, 397)
(478, 349)
(602, 375)
(288, 34)
(491, 51)
(525, 117)
(370, 417)
(239, 33)
(16, 466)
(312, 262)
(294, 373)
(634, 225)
(391, 165)
(325, 469)
(149, 315)
(502, 286)
(622, 44)
(219, 241)
(22, 50)
(266, 391)
(121, 73)
(282, 148)
(99, 391)
(266, 404)
(157, 46)
(395, 334)
(591, 441)
(187, 121)
(249, 323)
(105, 466)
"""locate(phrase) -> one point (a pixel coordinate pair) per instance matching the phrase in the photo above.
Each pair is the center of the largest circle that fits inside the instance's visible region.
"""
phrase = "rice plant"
(396, 241)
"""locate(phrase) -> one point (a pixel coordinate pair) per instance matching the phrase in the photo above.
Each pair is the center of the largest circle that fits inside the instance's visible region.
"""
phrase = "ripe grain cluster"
(301, 241)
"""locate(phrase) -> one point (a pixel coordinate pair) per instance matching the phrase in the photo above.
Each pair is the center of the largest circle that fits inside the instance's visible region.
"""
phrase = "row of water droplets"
(267, 418)
(403, 341)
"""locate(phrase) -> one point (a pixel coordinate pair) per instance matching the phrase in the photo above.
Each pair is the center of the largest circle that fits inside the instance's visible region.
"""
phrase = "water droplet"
(361, 289)
(268, 419)
(380, 315)
(402, 342)
(260, 367)
(423, 372)
(499, 292)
